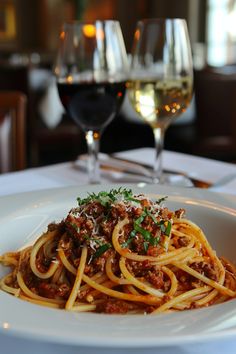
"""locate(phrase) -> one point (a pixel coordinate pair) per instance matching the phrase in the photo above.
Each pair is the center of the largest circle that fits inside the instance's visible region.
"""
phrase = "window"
(221, 32)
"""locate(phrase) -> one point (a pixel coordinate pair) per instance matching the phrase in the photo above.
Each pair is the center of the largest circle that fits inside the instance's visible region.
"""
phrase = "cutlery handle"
(198, 183)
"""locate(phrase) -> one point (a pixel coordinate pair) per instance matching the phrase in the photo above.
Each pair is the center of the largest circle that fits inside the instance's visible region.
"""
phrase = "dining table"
(220, 177)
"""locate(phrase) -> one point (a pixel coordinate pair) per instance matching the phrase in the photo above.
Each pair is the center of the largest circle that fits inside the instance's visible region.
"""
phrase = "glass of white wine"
(160, 83)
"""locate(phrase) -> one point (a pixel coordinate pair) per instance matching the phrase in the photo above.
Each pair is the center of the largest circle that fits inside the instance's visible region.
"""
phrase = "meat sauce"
(92, 223)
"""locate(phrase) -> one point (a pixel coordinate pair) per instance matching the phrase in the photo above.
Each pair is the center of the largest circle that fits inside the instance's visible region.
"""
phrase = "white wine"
(158, 102)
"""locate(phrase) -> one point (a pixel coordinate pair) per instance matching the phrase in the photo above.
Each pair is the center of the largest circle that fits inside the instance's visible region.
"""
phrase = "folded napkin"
(50, 107)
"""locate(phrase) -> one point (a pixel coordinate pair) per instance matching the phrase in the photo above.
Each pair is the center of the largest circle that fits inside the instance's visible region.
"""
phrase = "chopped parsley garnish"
(75, 226)
(145, 233)
(102, 249)
(160, 200)
(130, 238)
(145, 246)
(106, 198)
(165, 227)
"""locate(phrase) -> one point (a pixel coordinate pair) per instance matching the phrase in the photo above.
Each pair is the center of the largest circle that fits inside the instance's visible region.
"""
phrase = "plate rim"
(228, 201)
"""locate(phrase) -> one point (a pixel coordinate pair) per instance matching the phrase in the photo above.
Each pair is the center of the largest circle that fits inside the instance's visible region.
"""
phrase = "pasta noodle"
(120, 253)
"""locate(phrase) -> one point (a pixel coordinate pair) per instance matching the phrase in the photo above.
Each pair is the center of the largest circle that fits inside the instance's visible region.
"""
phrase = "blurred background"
(29, 32)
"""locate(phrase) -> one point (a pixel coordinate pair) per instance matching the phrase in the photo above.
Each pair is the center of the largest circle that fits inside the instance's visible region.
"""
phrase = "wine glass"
(91, 73)
(161, 78)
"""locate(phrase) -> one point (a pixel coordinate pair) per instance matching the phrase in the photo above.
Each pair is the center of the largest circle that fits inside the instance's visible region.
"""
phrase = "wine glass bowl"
(161, 77)
(91, 72)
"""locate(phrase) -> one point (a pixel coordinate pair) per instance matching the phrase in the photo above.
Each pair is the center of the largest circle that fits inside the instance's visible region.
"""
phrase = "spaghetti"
(120, 253)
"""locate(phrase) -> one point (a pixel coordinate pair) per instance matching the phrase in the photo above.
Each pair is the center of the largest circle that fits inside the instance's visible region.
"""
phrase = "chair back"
(12, 131)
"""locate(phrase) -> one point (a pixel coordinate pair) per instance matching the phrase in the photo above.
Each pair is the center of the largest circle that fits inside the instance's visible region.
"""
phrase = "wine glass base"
(173, 179)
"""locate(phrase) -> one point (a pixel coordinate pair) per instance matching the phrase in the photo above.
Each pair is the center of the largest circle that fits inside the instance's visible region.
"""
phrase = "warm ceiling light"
(69, 79)
(89, 30)
(62, 35)
(137, 35)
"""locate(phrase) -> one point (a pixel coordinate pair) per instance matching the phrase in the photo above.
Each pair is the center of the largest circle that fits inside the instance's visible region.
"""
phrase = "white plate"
(24, 216)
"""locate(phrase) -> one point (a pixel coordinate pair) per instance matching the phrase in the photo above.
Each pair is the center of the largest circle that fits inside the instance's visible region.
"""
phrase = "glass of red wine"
(91, 72)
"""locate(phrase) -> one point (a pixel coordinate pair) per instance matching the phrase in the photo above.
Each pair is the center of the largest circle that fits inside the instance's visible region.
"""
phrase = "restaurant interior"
(127, 248)
(42, 133)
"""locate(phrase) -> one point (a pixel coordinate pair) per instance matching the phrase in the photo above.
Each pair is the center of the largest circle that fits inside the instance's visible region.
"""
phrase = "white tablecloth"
(65, 174)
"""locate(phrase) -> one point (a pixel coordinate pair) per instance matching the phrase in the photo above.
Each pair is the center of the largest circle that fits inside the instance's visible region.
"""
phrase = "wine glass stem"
(93, 143)
(159, 143)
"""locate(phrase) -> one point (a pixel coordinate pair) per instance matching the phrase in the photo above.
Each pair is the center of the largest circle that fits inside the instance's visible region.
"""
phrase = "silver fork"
(147, 170)
(198, 183)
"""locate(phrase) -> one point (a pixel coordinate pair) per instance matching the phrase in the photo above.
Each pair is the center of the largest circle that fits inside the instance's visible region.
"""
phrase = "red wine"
(92, 105)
